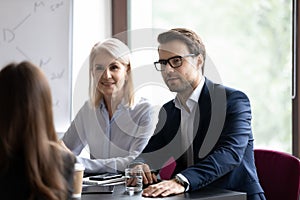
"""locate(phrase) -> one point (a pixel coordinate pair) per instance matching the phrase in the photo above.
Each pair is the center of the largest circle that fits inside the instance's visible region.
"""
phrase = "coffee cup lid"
(79, 166)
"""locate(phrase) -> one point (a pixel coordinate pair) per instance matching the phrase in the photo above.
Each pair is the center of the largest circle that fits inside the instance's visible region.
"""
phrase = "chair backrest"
(167, 169)
(278, 173)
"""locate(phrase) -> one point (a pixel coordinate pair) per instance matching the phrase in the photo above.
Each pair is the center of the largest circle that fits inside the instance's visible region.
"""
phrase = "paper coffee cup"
(78, 175)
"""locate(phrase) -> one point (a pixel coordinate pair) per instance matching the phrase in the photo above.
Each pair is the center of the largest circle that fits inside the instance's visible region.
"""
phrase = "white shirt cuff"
(185, 180)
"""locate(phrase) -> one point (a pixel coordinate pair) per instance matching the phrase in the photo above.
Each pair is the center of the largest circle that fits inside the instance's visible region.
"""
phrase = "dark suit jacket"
(222, 146)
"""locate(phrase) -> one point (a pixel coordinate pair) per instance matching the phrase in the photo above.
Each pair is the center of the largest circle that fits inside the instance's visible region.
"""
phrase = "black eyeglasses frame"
(165, 62)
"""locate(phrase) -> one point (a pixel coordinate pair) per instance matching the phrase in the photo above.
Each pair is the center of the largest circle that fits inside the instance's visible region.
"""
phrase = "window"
(249, 43)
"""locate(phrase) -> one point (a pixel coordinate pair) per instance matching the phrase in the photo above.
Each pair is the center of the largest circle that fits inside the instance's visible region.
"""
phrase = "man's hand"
(148, 176)
(164, 188)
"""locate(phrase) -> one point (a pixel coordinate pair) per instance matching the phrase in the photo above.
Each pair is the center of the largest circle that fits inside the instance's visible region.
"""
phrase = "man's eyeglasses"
(174, 62)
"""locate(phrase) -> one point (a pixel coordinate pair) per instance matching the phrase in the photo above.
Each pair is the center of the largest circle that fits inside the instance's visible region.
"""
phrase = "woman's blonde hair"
(120, 52)
(27, 130)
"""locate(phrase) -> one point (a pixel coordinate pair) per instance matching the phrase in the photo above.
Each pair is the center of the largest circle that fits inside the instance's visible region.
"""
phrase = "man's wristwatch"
(181, 182)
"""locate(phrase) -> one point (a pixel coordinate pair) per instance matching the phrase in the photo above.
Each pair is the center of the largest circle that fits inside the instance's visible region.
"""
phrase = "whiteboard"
(40, 31)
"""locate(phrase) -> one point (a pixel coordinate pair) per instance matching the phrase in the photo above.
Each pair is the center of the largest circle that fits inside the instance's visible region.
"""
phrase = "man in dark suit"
(206, 129)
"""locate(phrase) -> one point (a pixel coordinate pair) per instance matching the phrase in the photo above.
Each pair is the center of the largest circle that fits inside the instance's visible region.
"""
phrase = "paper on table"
(114, 183)
(86, 181)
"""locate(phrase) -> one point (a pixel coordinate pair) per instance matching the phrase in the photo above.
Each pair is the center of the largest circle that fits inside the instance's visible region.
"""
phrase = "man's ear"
(200, 61)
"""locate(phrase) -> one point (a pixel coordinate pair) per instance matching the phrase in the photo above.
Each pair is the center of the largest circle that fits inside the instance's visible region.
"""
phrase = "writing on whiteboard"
(40, 31)
(9, 33)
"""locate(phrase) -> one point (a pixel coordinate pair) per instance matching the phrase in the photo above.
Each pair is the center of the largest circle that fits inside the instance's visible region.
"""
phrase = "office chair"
(278, 173)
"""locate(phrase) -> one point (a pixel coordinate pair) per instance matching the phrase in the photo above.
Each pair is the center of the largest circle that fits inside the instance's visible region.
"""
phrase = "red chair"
(278, 173)
(167, 169)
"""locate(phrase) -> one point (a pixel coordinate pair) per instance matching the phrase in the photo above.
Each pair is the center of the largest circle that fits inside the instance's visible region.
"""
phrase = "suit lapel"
(212, 103)
(202, 118)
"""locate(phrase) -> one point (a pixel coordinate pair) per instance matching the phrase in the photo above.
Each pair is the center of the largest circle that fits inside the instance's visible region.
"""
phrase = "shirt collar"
(120, 106)
(196, 93)
(194, 96)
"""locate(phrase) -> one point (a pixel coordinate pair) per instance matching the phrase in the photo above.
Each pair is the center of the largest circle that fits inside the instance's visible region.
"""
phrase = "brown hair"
(189, 37)
(27, 130)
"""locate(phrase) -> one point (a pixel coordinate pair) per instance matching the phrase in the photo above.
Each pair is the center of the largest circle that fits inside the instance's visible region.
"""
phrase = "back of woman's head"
(25, 106)
(26, 127)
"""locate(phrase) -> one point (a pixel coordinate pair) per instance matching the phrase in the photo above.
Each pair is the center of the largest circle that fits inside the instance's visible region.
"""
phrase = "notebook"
(88, 181)
(96, 189)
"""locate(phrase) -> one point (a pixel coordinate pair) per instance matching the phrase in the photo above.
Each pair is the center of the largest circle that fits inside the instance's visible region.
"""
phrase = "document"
(114, 181)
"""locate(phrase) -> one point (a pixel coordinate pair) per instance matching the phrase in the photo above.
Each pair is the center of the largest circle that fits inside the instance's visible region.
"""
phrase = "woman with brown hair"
(32, 163)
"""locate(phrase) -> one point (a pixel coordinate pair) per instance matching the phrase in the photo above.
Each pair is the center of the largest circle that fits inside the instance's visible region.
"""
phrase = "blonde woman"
(112, 124)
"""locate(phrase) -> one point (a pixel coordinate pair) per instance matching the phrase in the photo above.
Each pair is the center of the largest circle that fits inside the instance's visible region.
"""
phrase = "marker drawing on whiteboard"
(58, 75)
(56, 103)
(44, 62)
(22, 52)
(55, 6)
(19, 24)
(9, 34)
(38, 4)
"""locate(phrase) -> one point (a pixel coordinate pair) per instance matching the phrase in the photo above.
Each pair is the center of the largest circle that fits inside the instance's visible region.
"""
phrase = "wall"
(91, 23)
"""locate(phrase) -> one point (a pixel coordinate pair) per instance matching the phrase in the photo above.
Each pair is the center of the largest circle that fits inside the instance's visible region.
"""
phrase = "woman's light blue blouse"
(112, 143)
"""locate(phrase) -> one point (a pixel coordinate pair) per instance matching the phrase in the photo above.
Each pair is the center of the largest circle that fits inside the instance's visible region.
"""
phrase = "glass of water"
(133, 180)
